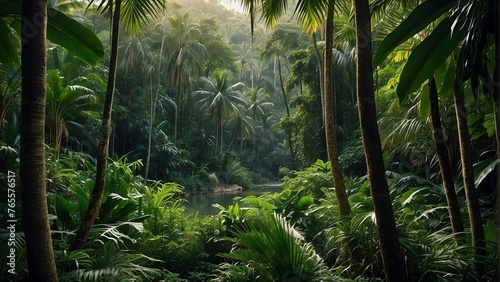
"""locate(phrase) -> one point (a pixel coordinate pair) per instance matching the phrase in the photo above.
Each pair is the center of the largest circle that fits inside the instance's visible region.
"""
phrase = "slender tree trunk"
(392, 256)
(102, 149)
(496, 94)
(321, 76)
(444, 163)
(330, 130)
(41, 263)
(153, 108)
(476, 223)
(289, 134)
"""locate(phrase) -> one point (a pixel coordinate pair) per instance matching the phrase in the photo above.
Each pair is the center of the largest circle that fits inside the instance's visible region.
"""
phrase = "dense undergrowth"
(143, 234)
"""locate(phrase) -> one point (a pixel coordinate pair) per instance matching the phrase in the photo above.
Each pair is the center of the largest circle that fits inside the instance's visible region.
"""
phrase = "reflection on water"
(203, 203)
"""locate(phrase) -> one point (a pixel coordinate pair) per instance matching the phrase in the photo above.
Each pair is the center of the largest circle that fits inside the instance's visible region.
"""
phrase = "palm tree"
(220, 98)
(312, 15)
(258, 104)
(133, 13)
(186, 58)
(392, 256)
(41, 263)
(243, 51)
(476, 38)
(444, 162)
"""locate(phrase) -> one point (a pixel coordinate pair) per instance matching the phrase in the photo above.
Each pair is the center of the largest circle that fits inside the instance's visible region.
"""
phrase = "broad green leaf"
(259, 203)
(9, 45)
(305, 202)
(482, 169)
(74, 37)
(425, 102)
(418, 19)
(428, 56)
(64, 211)
(64, 31)
(448, 79)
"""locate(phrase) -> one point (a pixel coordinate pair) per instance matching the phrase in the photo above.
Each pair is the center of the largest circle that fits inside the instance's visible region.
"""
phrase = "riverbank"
(225, 188)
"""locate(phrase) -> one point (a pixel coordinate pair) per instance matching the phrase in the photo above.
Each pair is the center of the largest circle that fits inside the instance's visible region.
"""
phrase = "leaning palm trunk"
(102, 149)
(41, 263)
(392, 257)
(330, 131)
(476, 224)
(444, 163)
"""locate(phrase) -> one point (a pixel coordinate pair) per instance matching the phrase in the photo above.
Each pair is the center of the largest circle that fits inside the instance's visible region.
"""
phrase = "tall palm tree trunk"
(330, 130)
(102, 149)
(444, 163)
(476, 224)
(41, 263)
(392, 257)
(289, 134)
(328, 100)
(153, 110)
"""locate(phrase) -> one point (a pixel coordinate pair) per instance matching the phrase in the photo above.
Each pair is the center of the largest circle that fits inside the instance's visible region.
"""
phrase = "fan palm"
(220, 98)
(273, 250)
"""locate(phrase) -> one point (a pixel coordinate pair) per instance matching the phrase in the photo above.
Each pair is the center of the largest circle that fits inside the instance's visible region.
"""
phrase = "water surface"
(204, 203)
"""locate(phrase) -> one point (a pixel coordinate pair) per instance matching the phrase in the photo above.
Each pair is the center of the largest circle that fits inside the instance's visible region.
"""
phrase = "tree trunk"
(476, 224)
(153, 111)
(496, 94)
(41, 263)
(102, 149)
(289, 134)
(321, 76)
(444, 163)
(392, 257)
(331, 133)
(330, 130)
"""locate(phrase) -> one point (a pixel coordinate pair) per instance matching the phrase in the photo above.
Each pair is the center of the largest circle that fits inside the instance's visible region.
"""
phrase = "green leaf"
(425, 102)
(9, 45)
(418, 19)
(448, 79)
(74, 37)
(482, 169)
(305, 202)
(258, 202)
(428, 56)
(64, 31)
(64, 211)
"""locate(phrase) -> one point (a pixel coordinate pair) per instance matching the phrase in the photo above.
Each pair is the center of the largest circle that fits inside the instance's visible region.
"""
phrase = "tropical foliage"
(201, 100)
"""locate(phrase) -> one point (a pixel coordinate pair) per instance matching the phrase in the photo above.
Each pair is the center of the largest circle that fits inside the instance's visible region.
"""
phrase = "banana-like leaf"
(9, 45)
(429, 55)
(483, 168)
(425, 102)
(64, 31)
(418, 19)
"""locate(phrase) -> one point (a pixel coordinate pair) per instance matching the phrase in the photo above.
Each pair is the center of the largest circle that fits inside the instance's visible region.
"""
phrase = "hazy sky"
(232, 4)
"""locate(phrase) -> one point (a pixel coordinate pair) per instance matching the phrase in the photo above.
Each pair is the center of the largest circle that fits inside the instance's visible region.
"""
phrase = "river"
(204, 203)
